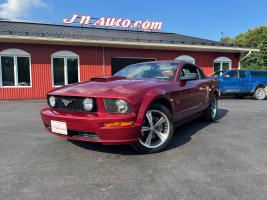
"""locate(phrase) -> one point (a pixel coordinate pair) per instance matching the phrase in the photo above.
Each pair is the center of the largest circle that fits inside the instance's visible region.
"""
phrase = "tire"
(212, 110)
(155, 138)
(260, 93)
(240, 96)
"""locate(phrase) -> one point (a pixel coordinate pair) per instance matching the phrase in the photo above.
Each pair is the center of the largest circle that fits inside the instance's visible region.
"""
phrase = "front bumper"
(90, 127)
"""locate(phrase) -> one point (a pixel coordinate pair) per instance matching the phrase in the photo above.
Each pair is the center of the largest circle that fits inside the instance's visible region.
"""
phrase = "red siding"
(91, 64)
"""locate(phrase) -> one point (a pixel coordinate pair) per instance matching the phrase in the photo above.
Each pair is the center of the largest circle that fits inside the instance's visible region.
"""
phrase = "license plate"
(59, 127)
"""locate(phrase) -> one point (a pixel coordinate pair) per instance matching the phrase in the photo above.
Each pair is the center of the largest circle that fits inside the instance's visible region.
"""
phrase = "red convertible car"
(140, 105)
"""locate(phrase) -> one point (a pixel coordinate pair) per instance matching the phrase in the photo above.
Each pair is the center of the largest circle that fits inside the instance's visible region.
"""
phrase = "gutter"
(247, 55)
(121, 44)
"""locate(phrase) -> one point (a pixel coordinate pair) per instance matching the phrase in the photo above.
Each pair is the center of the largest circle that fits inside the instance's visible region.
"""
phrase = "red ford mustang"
(140, 105)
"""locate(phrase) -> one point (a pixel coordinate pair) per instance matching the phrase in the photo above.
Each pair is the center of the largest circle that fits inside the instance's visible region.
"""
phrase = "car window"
(201, 74)
(231, 74)
(189, 70)
(242, 74)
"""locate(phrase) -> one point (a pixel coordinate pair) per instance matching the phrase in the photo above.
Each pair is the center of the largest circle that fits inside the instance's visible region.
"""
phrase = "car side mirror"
(189, 77)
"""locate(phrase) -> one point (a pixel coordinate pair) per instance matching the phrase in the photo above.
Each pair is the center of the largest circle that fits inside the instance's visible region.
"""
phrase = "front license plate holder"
(59, 127)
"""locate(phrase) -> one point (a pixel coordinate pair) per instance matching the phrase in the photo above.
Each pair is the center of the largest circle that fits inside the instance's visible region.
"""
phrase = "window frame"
(15, 60)
(65, 57)
(186, 58)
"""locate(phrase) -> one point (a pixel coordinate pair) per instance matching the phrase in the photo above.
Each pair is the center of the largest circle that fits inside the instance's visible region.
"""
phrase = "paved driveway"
(223, 160)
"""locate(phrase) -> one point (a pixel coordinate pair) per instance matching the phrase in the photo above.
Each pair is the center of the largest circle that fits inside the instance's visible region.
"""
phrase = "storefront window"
(7, 65)
(14, 69)
(23, 71)
(65, 68)
(72, 64)
(58, 69)
(222, 64)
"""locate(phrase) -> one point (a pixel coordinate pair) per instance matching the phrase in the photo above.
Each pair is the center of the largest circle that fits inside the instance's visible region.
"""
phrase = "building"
(36, 58)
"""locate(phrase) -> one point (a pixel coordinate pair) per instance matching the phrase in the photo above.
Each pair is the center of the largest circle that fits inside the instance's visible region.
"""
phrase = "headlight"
(52, 101)
(88, 104)
(122, 106)
(117, 106)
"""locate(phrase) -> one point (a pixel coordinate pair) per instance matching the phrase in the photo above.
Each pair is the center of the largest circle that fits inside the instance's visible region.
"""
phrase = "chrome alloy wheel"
(260, 93)
(155, 129)
(214, 107)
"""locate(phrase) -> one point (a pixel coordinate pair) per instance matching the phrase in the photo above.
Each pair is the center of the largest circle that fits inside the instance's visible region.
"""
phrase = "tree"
(254, 38)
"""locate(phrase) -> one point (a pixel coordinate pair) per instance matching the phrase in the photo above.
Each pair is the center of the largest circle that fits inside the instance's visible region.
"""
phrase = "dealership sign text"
(112, 22)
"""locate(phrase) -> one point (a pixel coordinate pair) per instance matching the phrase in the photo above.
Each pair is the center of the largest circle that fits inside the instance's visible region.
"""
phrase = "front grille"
(72, 104)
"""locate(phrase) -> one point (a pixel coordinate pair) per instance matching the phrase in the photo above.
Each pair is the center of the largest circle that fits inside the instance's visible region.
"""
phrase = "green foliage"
(254, 38)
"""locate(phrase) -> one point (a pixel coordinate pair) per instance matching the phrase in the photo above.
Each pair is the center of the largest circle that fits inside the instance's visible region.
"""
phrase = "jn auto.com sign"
(112, 22)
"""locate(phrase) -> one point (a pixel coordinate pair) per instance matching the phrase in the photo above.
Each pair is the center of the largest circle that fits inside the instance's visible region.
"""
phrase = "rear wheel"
(260, 93)
(157, 130)
(211, 112)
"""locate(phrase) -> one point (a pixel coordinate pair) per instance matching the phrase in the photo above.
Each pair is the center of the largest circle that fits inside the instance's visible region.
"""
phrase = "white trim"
(20, 54)
(222, 59)
(64, 55)
(186, 58)
(17, 52)
(121, 44)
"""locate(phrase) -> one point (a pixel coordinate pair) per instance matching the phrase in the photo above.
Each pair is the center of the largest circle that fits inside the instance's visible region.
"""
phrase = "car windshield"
(165, 71)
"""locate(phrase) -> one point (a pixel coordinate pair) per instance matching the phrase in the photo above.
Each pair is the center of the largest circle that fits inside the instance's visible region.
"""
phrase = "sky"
(206, 18)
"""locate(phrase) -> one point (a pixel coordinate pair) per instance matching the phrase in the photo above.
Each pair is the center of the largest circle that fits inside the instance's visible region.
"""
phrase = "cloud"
(13, 9)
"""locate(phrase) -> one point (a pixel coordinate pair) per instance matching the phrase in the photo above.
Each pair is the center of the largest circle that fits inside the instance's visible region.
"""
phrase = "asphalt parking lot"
(223, 160)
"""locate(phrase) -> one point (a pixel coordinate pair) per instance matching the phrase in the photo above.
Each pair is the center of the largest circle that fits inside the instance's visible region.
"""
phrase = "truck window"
(258, 74)
(242, 74)
(231, 74)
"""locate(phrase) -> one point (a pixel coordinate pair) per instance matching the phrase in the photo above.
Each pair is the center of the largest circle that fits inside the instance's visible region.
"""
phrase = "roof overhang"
(121, 44)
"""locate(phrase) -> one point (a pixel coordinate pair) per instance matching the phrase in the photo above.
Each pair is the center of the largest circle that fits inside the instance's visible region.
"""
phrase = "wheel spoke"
(150, 119)
(160, 121)
(148, 139)
(161, 135)
(145, 128)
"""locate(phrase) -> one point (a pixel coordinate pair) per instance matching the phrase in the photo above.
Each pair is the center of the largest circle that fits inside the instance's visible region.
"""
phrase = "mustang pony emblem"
(66, 102)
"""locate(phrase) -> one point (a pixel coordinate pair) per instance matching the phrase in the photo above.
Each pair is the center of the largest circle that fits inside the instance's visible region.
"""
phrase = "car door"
(188, 97)
(229, 82)
(244, 81)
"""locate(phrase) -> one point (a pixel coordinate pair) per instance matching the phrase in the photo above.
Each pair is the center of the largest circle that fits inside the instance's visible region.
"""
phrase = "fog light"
(118, 124)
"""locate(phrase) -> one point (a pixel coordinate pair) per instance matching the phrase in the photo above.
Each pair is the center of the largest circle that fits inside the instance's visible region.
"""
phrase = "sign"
(112, 22)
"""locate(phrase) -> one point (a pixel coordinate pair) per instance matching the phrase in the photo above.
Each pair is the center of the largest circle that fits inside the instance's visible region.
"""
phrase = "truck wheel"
(211, 112)
(260, 93)
(239, 96)
(157, 130)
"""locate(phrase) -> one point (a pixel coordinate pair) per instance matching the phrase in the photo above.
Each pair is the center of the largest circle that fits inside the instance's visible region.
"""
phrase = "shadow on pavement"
(182, 136)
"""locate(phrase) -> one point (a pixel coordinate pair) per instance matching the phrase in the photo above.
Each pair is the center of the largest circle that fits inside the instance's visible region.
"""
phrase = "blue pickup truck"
(242, 83)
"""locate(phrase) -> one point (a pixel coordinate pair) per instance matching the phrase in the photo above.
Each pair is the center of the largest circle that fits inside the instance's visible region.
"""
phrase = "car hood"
(109, 87)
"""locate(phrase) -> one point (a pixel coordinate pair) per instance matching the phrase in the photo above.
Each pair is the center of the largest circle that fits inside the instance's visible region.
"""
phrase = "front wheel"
(260, 94)
(211, 111)
(157, 130)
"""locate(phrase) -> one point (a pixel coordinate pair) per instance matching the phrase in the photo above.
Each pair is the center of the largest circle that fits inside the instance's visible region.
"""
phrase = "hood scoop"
(107, 78)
